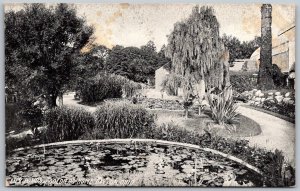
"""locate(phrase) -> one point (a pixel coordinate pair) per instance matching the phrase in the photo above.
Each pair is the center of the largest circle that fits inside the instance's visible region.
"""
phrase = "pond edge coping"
(162, 142)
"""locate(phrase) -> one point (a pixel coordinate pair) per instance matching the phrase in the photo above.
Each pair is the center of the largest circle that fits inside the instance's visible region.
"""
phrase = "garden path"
(70, 101)
(276, 133)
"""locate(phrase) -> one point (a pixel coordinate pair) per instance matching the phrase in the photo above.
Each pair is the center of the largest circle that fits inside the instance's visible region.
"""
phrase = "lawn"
(245, 127)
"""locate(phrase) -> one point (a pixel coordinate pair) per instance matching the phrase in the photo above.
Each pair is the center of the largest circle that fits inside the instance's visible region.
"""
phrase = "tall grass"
(223, 107)
(66, 123)
(121, 120)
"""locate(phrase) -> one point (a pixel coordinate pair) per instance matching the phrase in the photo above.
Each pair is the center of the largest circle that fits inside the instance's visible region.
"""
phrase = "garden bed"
(125, 162)
(245, 127)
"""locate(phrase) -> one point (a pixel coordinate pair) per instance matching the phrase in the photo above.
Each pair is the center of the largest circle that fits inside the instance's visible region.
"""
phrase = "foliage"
(16, 142)
(100, 88)
(171, 83)
(223, 107)
(41, 46)
(88, 64)
(285, 109)
(238, 49)
(105, 86)
(243, 81)
(22, 115)
(30, 113)
(64, 123)
(279, 78)
(12, 121)
(121, 120)
(196, 50)
(137, 64)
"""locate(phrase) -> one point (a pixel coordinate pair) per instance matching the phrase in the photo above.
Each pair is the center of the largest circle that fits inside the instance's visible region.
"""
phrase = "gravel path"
(70, 101)
(276, 133)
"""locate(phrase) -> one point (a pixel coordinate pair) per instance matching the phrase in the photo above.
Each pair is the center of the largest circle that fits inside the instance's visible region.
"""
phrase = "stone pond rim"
(154, 141)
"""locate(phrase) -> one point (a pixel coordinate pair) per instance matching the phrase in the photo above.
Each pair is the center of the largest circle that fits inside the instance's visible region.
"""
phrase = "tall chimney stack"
(265, 78)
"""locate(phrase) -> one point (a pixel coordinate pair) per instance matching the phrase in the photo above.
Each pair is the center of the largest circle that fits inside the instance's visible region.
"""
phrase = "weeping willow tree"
(198, 53)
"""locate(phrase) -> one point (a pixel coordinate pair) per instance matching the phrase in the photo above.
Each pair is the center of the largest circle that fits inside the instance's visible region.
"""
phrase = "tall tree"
(198, 55)
(138, 64)
(88, 64)
(150, 46)
(234, 46)
(238, 49)
(41, 45)
(197, 51)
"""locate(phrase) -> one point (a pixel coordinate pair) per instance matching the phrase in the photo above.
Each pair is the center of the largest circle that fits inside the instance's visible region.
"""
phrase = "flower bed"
(282, 103)
(133, 164)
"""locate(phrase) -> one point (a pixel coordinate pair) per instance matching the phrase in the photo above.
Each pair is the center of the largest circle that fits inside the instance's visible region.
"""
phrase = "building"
(283, 52)
(283, 49)
(244, 65)
(160, 75)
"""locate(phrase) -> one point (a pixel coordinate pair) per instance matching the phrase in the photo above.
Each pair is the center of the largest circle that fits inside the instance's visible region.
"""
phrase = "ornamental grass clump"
(121, 120)
(223, 108)
(64, 123)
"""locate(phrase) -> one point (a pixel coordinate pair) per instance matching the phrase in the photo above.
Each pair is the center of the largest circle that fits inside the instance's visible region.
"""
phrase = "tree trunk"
(186, 111)
(60, 99)
(199, 112)
(52, 100)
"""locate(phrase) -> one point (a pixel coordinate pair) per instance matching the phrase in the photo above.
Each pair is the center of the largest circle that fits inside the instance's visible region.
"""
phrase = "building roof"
(166, 66)
(283, 49)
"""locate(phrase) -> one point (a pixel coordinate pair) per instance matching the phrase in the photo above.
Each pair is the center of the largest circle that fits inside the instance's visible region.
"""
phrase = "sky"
(136, 24)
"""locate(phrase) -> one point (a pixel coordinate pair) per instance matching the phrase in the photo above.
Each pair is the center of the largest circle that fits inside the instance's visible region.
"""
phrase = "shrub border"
(291, 120)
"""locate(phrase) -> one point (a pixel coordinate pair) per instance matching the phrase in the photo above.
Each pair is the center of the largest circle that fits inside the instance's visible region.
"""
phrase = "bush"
(12, 121)
(100, 88)
(64, 123)
(21, 115)
(105, 86)
(223, 107)
(285, 109)
(242, 81)
(121, 120)
(171, 83)
(129, 87)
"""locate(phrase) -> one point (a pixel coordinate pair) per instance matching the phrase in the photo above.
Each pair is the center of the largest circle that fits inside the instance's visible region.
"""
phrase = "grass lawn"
(244, 128)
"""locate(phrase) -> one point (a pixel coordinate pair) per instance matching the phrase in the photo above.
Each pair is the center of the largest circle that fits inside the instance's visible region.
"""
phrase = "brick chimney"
(265, 77)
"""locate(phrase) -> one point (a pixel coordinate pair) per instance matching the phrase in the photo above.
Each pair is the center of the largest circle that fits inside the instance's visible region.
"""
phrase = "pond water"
(116, 164)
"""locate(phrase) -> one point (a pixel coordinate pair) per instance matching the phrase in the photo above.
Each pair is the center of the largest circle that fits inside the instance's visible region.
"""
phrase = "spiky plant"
(222, 106)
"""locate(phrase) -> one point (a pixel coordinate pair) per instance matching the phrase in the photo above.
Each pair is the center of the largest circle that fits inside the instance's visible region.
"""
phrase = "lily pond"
(120, 164)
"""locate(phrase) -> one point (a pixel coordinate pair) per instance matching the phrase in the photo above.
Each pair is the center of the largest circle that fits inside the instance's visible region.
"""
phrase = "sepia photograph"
(149, 95)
